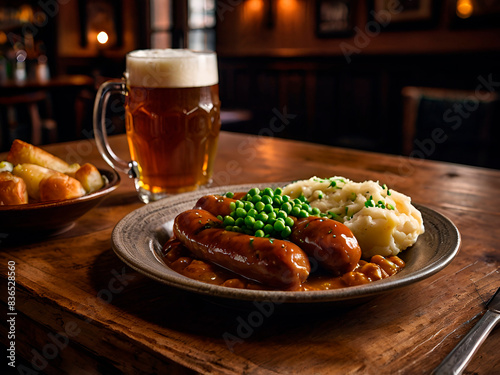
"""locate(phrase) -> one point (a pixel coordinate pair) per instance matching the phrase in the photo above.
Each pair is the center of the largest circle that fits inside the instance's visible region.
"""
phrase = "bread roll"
(12, 189)
(22, 152)
(59, 186)
(90, 178)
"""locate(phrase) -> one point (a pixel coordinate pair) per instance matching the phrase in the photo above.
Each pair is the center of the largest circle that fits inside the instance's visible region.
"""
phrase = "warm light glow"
(287, 4)
(26, 13)
(464, 8)
(102, 37)
(255, 5)
(287, 8)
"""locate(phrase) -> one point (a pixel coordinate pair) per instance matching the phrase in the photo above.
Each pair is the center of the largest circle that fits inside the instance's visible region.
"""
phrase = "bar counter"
(81, 310)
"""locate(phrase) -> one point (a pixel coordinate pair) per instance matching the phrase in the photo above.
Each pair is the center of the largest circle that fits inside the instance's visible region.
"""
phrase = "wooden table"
(81, 310)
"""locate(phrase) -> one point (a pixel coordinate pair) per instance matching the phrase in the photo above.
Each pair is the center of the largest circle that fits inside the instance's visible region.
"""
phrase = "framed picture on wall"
(334, 18)
(404, 13)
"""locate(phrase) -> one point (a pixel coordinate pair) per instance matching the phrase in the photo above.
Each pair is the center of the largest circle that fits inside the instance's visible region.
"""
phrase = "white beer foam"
(171, 68)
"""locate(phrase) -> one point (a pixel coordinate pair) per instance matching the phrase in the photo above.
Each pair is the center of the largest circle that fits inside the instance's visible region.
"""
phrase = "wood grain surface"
(80, 310)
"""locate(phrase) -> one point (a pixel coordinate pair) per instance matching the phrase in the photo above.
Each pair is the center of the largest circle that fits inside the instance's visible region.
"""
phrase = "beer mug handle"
(100, 133)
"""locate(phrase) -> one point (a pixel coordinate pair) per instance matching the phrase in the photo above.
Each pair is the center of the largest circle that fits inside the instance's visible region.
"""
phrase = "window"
(201, 24)
(161, 23)
(177, 23)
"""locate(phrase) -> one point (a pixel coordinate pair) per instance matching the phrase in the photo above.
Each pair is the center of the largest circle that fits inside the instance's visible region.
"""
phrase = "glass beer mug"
(172, 117)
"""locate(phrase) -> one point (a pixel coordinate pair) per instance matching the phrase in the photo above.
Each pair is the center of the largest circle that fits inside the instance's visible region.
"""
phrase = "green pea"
(241, 212)
(259, 206)
(256, 198)
(277, 201)
(303, 213)
(259, 224)
(228, 221)
(295, 210)
(316, 211)
(287, 207)
(268, 192)
(289, 221)
(239, 222)
(279, 226)
(272, 215)
(285, 198)
(219, 217)
(278, 191)
(268, 208)
(259, 233)
(232, 206)
(266, 199)
(254, 191)
(249, 221)
(252, 212)
(268, 228)
(281, 214)
(240, 204)
(229, 195)
(286, 232)
(248, 206)
(262, 217)
(236, 228)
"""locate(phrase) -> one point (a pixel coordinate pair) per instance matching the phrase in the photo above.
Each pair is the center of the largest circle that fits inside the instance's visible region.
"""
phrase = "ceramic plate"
(53, 217)
(138, 238)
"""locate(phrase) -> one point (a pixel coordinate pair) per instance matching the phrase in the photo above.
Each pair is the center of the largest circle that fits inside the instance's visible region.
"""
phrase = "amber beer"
(172, 119)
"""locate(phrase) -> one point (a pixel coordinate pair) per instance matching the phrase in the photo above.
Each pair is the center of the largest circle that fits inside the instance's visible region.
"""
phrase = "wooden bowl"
(53, 217)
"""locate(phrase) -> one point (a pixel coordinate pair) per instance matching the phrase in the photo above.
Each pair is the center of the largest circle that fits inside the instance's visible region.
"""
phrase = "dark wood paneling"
(355, 105)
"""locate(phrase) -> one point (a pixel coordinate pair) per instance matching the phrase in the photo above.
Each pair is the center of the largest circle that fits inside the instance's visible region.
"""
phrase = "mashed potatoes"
(383, 220)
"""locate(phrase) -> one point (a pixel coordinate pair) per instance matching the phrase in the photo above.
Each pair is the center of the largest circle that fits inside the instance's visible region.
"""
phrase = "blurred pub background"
(413, 77)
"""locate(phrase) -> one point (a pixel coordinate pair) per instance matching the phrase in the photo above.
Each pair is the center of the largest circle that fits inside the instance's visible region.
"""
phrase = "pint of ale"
(172, 111)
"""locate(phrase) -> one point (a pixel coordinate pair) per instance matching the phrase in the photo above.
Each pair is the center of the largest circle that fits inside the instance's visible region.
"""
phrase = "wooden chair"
(451, 125)
(14, 107)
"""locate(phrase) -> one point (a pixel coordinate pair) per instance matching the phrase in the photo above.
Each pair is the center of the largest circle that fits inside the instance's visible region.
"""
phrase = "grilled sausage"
(331, 243)
(276, 263)
(215, 204)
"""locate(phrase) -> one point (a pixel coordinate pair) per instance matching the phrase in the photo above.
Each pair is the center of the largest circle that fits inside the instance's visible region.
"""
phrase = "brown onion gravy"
(179, 259)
